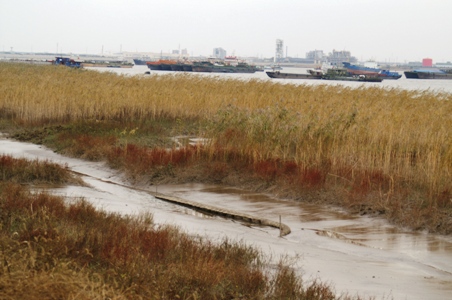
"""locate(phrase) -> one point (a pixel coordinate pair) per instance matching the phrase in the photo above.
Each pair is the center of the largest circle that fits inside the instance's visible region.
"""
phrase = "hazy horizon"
(381, 30)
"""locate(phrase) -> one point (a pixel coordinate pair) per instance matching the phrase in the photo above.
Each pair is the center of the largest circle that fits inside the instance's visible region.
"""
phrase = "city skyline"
(381, 30)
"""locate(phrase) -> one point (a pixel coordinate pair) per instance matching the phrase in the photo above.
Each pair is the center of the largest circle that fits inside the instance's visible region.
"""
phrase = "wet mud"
(357, 254)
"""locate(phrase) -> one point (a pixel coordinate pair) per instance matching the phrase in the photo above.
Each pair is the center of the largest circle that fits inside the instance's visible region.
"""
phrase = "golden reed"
(404, 135)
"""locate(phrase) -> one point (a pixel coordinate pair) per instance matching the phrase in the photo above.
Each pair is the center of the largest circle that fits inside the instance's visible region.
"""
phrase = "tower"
(279, 50)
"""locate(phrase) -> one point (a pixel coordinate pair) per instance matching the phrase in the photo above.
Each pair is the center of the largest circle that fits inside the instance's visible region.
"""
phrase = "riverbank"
(357, 255)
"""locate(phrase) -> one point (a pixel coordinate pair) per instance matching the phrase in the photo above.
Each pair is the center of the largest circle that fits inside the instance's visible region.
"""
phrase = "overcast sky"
(382, 30)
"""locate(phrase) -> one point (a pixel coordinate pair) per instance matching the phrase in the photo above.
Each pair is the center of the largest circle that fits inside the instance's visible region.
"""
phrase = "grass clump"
(25, 171)
(50, 249)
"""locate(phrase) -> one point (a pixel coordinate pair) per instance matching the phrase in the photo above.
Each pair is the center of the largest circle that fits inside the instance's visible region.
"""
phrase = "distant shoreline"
(45, 57)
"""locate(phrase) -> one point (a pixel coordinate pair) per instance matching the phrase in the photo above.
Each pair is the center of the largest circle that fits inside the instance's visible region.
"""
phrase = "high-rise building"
(279, 54)
(338, 57)
(316, 56)
(219, 53)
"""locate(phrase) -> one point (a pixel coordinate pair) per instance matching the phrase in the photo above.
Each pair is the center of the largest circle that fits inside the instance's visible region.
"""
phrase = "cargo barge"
(370, 70)
(203, 66)
(340, 74)
(277, 74)
(429, 74)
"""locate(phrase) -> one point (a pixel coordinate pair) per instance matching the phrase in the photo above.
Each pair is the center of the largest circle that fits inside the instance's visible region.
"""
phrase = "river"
(402, 83)
(356, 254)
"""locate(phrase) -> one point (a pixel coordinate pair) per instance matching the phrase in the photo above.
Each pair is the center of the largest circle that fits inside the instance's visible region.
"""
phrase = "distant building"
(219, 53)
(182, 52)
(155, 55)
(414, 64)
(316, 56)
(444, 65)
(337, 57)
(427, 62)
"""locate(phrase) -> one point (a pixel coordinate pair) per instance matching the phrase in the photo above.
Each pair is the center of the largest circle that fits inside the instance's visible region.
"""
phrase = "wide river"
(436, 85)
(355, 254)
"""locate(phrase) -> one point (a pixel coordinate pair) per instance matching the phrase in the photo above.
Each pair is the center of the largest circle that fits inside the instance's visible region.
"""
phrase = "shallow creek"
(356, 254)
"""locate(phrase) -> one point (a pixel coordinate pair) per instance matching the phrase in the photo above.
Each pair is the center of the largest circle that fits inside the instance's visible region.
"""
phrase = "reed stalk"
(405, 135)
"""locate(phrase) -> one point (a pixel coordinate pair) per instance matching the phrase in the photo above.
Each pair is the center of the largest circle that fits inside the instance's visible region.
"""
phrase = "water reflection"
(402, 83)
(327, 222)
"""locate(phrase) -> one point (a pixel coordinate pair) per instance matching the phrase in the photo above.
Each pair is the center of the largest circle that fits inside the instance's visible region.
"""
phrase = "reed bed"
(394, 143)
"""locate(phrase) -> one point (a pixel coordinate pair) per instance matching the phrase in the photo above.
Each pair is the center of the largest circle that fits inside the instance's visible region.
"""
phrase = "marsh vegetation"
(370, 150)
(55, 249)
(376, 150)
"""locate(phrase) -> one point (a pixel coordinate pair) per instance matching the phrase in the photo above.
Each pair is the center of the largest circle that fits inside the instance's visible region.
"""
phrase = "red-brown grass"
(86, 252)
(23, 170)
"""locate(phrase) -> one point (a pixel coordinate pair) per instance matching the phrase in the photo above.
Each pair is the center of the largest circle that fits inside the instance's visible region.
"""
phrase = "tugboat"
(386, 74)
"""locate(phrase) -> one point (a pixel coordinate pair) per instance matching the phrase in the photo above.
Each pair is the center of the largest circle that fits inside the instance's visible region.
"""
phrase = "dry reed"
(402, 137)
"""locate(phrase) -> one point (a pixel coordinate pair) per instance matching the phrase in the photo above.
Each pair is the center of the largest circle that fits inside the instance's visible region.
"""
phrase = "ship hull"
(342, 74)
(428, 75)
(187, 68)
(139, 62)
(208, 68)
(154, 67)
(166, 67)
(358, 79)
(292, 75)
(204, 69)
(411, 75)
(177, 67)
(356, 70)
(360, 70)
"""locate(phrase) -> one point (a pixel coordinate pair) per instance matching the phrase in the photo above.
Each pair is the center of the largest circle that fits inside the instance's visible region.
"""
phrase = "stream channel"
(358, 255)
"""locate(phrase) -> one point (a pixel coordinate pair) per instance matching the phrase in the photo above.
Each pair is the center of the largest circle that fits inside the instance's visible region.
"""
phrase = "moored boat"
(107, 64)
(166, 64)
(310, 75)
(154, 65)
(343, 75)
(177, 67)
(386, 74)
(273, 67)
(202, 66)
(161, 64)
(370, 69)
(411, 74)
(330, 74)
(139, 62)
(69, 62)
(429, 74)
(187, 67)
(209, 67)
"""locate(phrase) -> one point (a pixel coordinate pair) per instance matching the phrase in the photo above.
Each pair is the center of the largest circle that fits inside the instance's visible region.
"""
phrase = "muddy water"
(358, 255)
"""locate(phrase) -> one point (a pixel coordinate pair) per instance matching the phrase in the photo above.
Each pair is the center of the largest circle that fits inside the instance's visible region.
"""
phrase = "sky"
(380, 30)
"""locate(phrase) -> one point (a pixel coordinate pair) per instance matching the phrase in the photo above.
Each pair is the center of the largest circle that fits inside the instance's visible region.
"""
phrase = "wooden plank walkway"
(283, 228)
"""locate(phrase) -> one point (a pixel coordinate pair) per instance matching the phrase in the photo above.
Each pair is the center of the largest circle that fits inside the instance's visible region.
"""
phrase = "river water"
(356, 254)
(402, 83)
